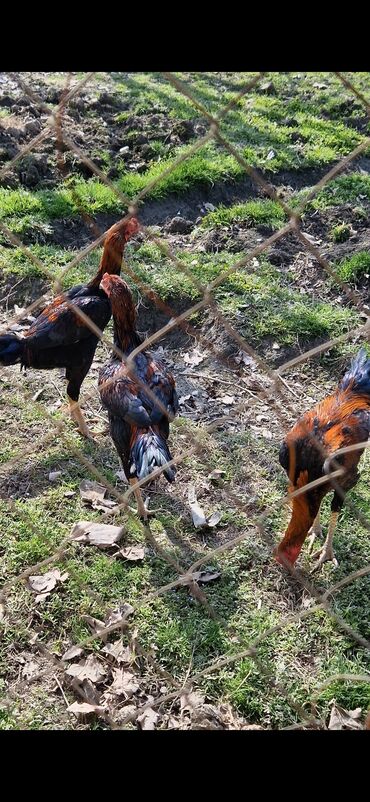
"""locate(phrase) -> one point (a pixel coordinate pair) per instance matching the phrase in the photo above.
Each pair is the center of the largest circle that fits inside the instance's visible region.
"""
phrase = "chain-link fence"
(199, 440)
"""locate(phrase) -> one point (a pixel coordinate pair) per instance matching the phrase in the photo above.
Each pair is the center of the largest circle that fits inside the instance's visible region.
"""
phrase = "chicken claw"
(326, 554)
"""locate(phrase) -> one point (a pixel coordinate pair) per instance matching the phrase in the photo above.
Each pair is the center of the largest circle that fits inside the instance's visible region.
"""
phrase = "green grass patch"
(255, 212)
(355, 267)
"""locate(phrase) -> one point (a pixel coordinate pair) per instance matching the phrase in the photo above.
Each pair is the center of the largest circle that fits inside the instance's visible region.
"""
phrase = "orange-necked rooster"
(139, 428)
(340, 420)
(59, 338)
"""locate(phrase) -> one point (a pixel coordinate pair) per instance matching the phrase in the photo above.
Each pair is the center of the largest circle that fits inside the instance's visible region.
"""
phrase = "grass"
(259, 301)
(356, 267)
(247, 598)
(255, 213)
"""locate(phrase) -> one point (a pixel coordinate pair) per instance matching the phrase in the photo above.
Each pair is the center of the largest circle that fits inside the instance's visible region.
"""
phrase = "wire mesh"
(277, 391)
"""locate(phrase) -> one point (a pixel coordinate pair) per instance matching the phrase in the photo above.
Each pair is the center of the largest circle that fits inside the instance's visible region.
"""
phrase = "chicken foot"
(326, 553)
(78, 418)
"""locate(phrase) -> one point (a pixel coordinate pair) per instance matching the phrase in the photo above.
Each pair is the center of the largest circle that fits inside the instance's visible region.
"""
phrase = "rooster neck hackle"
(114, 245)
(124, 316)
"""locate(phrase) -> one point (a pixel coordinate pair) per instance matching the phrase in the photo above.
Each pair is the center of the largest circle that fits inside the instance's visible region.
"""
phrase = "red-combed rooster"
(139, 428)
(340, 420)
(59, 338)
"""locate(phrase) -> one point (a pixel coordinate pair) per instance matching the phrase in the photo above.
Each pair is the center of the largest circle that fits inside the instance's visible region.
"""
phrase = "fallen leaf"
(119, 652)
(214, 519)
(41, 597)
(105, 505)
(195, 358)
(190, 701)
(120, 615)
(148, 719)
(243, 357)
(46, 582)
(92, 491)
(30, 670)
(102, 535)
(132, 553)
(271, 155)
(91, 669)
(123, 711)
(74, 651)
(90, 691)
(95, 625)
(85, 709)
(216, 474)
(197, 514)
(184, 398)
(54, 476)
(69, 493)
(228, 399)
(124, 683)
(341, 719)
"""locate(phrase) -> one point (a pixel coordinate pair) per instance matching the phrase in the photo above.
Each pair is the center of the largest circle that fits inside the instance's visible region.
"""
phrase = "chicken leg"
(315, 531)
(78, 417)
(143, 512)
(326, 553)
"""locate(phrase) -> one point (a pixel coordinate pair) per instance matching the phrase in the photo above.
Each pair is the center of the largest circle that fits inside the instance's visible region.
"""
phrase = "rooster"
(340, 420)
(59, 338)
(139, 428)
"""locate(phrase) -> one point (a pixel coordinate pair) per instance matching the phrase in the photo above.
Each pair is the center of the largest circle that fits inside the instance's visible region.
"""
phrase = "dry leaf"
(341, 719)
(132, 553)
(74, 651)
(243, 357)
(41, 597)
(120, 615)
(30, 670)
(195, 358)
(91, 669)
(90, 692)
(92, 491)
(190, 701)
(54, 476)
(214, 519)
(46, 582)
(84, 709)
(228, 399)
(216, 474)
(95, 534)
(121, 713)
(119, 652)
(197, 514)
(148, 719)
(95, 625)
(124, 683)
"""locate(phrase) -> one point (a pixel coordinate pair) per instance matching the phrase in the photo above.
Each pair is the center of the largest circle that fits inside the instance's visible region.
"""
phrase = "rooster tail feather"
(357, 378)
(11, 349)
(149, 451)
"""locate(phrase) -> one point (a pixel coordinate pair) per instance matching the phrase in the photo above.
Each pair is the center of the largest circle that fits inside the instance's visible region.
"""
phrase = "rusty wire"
(279, 389)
